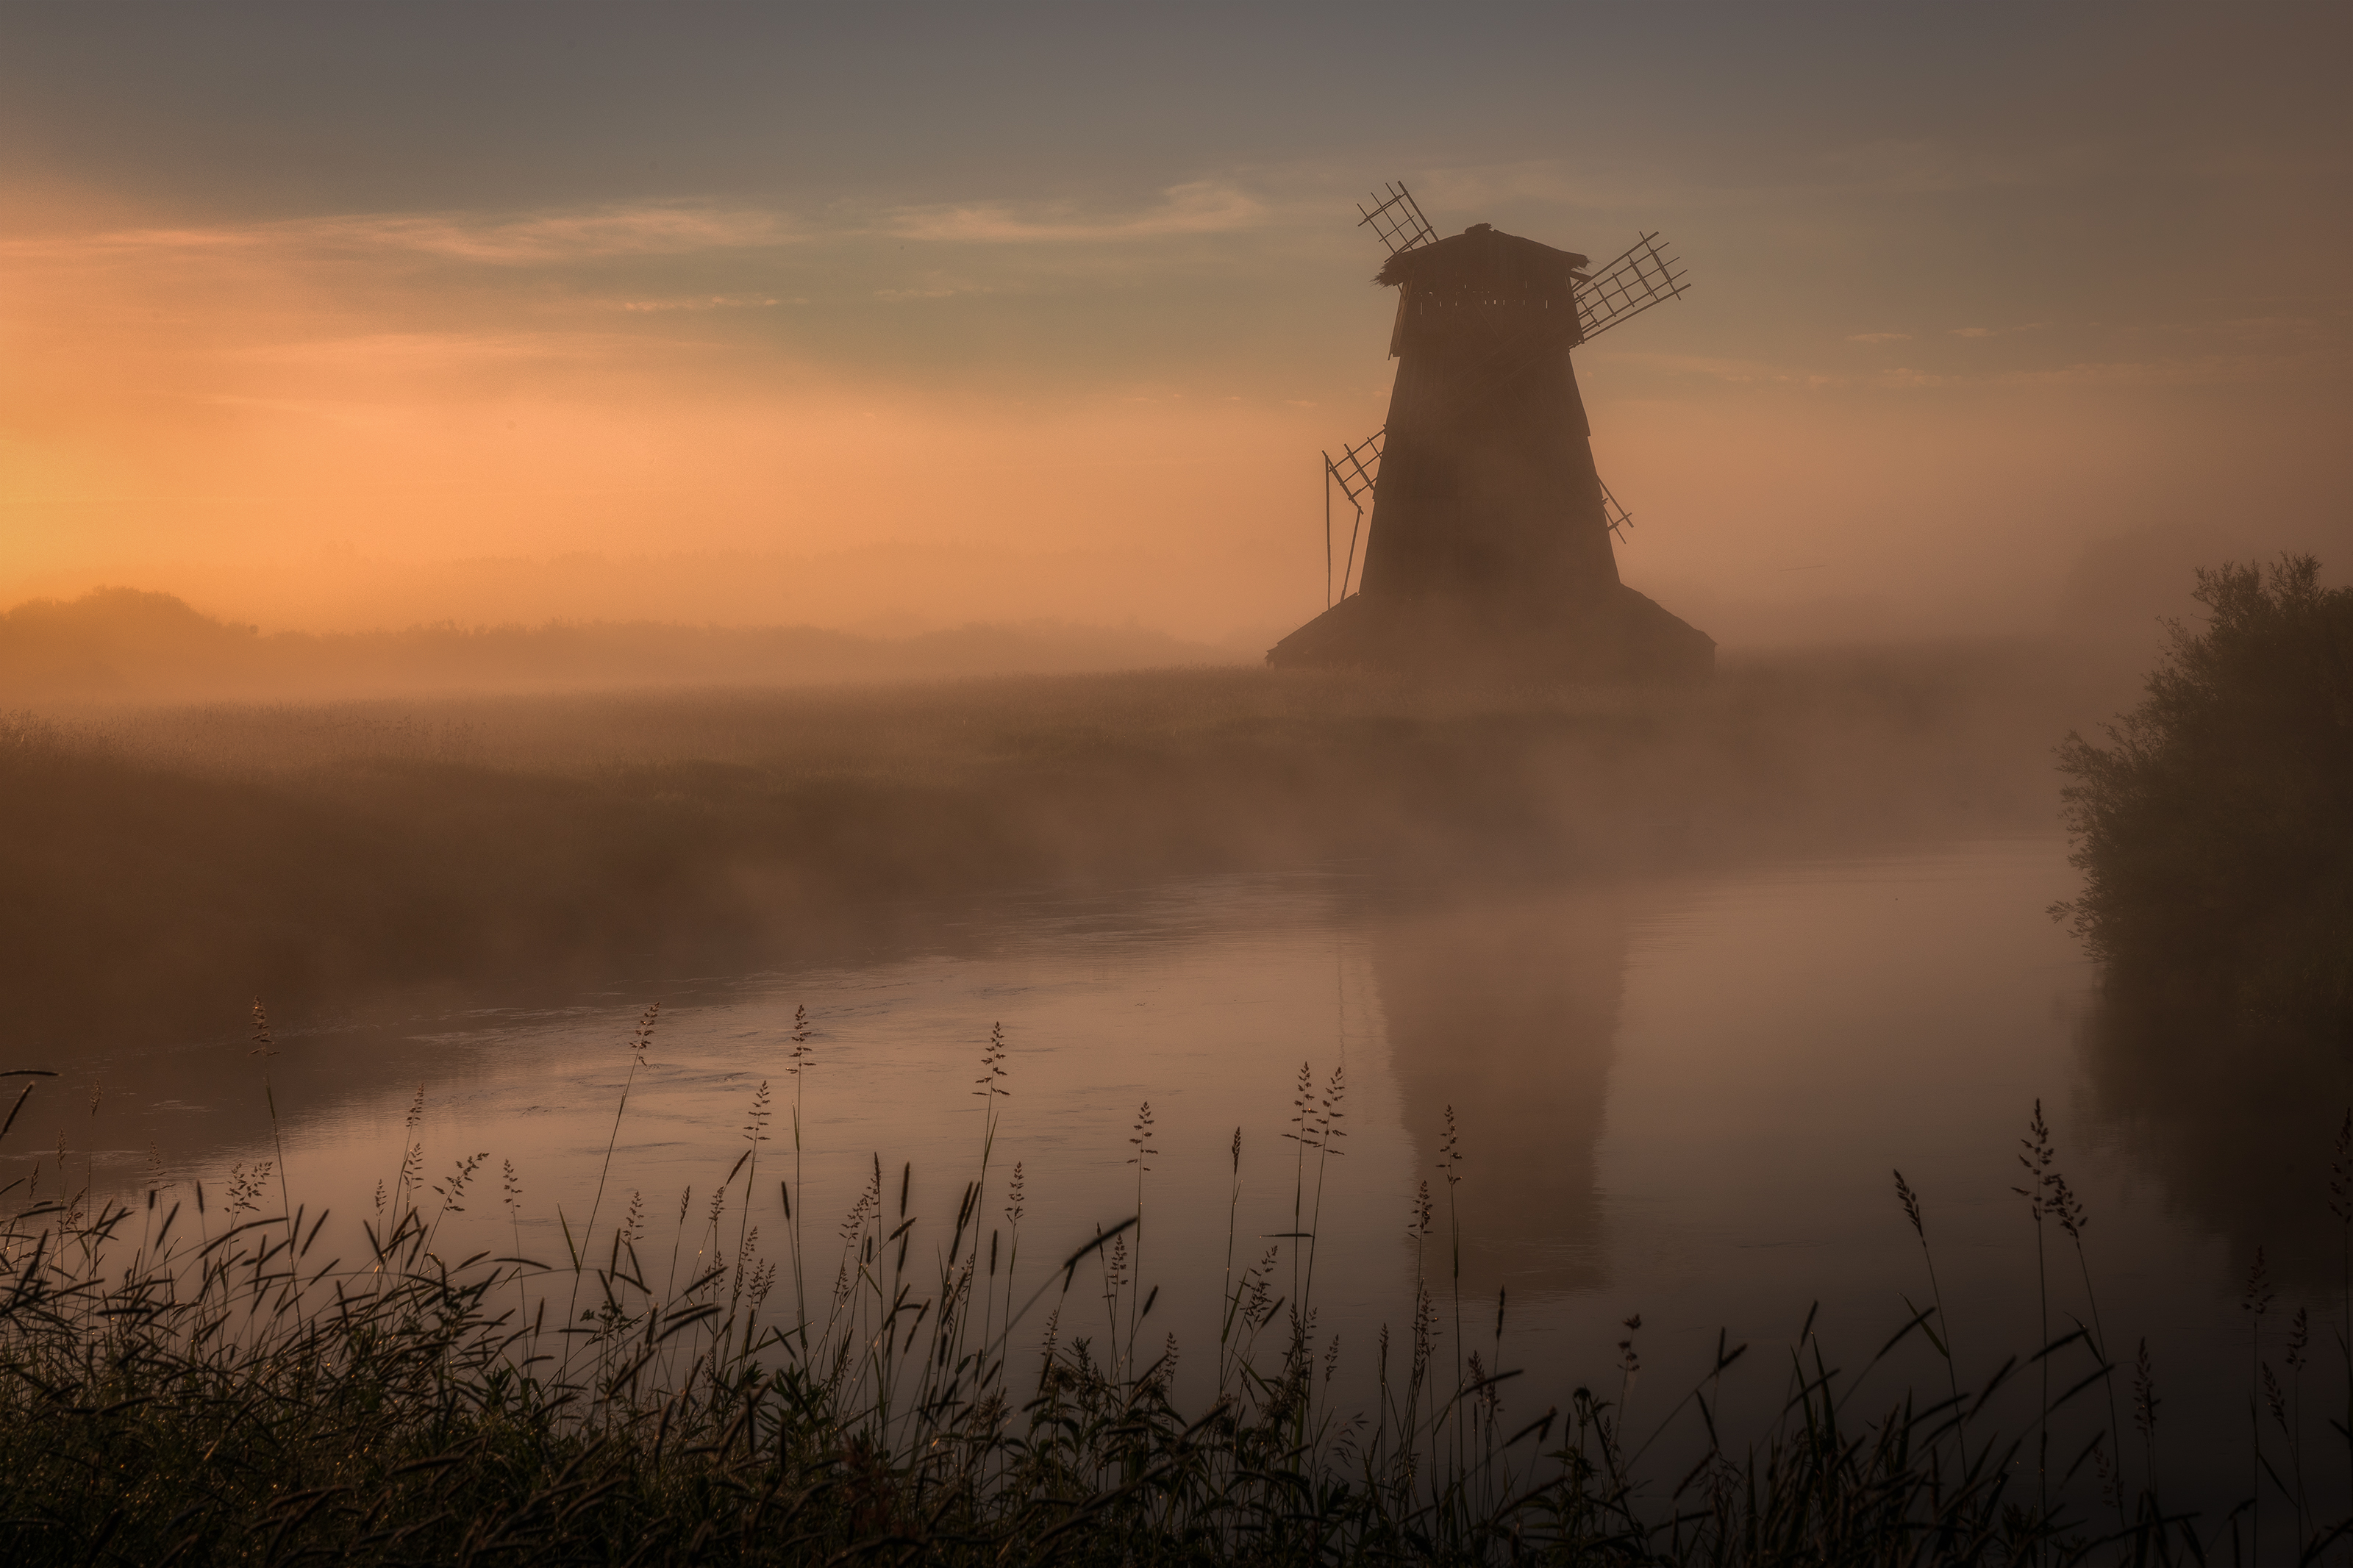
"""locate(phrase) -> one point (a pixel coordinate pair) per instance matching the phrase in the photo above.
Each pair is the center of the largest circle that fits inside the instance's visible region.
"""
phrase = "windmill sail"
(1645, 276)
(1357, 469)
(1620, 520)
(1397, 220)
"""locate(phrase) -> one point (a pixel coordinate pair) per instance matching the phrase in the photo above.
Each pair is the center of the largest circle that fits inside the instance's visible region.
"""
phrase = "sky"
(894, 316)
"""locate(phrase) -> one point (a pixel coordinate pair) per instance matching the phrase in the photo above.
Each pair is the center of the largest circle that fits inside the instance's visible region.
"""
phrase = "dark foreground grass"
(233, 1378)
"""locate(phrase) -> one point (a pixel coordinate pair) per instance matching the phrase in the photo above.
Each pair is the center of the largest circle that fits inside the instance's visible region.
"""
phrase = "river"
(1682, 1098)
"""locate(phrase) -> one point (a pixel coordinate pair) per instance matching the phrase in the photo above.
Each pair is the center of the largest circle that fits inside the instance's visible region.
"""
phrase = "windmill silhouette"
(1483, 532)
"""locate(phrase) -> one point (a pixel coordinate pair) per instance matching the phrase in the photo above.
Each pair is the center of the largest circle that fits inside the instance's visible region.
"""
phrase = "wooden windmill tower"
(1488, 539)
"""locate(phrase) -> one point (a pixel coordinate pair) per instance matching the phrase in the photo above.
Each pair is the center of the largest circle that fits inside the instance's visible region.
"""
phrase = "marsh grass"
(185, 1381)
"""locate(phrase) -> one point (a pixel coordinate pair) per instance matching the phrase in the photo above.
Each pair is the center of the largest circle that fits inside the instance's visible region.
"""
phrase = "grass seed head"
(2144, 1399)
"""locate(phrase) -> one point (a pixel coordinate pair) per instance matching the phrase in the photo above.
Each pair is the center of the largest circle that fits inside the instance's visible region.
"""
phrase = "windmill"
(1481, 531)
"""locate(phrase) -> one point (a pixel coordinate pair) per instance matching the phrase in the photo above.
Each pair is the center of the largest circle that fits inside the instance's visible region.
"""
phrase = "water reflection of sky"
(1682, 1098)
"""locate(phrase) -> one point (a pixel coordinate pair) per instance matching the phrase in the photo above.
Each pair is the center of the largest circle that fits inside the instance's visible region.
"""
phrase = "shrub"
(2215, 831)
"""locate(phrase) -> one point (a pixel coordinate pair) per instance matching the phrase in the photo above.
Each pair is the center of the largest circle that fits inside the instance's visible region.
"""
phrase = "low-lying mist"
(122, 644)
(179, 858)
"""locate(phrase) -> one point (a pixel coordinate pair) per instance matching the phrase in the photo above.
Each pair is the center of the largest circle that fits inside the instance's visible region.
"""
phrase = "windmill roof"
(1482, 256)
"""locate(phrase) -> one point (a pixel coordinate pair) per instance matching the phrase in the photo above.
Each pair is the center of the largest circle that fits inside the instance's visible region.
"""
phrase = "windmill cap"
(1484, 257)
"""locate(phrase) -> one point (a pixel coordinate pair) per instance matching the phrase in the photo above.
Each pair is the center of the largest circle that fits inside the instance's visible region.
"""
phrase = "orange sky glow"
(1922, 371)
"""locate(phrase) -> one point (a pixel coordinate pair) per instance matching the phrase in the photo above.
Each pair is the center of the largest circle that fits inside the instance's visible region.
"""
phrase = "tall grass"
(206, 1381)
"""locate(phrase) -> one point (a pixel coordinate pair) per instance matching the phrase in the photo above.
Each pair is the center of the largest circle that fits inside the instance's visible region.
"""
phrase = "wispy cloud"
(1734, 370)
(665, 229)
(704, 302)
(1655, 190)
(1879, 337)
(2199, 370)
(508, 239)
(436, 350)
(1629, 187)
(2271, 351)
(1202, 207)
(1943, 168)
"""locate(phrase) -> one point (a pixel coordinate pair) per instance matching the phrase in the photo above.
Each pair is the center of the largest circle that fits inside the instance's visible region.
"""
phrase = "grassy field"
(178, 861)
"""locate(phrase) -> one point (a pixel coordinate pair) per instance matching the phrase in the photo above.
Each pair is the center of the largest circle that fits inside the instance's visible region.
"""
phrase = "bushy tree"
(2215, 830)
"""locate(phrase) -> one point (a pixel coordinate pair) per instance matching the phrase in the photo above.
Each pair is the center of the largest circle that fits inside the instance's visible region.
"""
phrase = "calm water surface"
(1680, 1097)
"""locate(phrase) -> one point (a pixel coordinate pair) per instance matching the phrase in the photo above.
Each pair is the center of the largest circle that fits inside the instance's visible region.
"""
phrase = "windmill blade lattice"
(1620, 520)
(1643, 276)
(1397, 220)
(1358, 469)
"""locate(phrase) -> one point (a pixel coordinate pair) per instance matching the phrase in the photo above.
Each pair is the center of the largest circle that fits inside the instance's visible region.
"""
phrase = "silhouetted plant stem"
(2340, 1204)
(2255, 1302)
(1450, 1162)
(2291, 1418)
(266, 1048)
(1943, 1339)
(1327, 1136)
(638, 1041)
(2037, 1162)
(2067, 1208)
(798, 1061)
(1228, 1294)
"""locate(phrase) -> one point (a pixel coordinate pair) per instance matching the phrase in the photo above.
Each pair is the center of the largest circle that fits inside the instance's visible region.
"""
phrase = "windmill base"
(1621, 636)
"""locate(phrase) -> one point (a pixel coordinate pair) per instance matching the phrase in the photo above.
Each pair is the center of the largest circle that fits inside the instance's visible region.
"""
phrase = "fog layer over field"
(191, 856)
(120, 643)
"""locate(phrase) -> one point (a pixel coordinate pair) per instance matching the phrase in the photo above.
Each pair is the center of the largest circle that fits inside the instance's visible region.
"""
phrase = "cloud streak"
(707, 302)
(662, 230)
(1198, 208)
